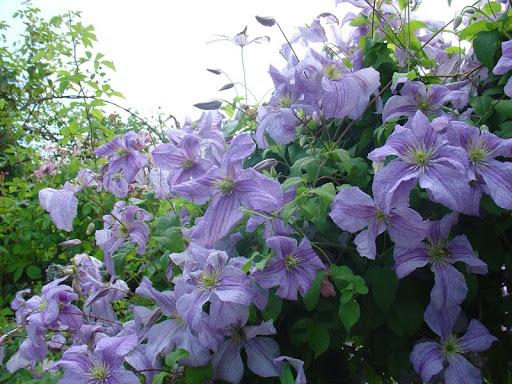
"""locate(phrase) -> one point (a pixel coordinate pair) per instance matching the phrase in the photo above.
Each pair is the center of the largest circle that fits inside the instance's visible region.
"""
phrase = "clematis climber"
(125, 161)
(490, 175)
(504, 65)
(415, 97)
(261, 351)
(293, 267)
(183, 161)
(103, 365)
(125, 223)
(353, 210)
(431, 358)
(229, 187)
(441, 253)
(423, 155)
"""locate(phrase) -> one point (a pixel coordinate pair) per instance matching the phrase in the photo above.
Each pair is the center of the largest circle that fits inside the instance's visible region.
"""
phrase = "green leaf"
(318, 338)
(504, 108)
(384, 285)
(273, 308)
(326, 191)
(313, 295)
(160, 377)
(349, 314)
(358, 21)
(173, 357)
(97, 114)
(486, 46)
(34, 272)
(109, 64)
(286, 375)
(472, 29)
(38, 55)
(197, 375)
(491, 8)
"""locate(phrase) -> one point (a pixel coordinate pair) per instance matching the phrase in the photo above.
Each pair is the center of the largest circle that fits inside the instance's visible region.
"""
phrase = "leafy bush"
(353, 229)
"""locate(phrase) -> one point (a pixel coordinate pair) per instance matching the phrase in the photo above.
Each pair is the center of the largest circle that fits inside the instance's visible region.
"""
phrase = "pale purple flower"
(344, 93)
(173, 333)
(441, 253)
(241, 39)
(52, 310)
(505, 64)
(183, 161)
(98, 294)
(482, 150)
(260, 350)
(229, 187)
(353, 210)
(293, 267)
(431, 358)
(104, 365)
(126, 223)
(125, 161)
(414, 97)
(422, 154)
(61, 204)
(273, 226)
(212, 278)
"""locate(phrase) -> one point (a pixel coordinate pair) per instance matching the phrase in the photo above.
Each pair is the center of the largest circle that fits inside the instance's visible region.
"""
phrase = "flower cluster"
(253, 238)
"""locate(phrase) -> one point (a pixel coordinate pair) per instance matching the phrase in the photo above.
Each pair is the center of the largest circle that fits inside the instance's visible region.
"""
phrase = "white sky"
(160, 51)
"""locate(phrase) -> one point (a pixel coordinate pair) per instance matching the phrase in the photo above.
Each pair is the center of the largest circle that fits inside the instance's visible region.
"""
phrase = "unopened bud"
(70, 243)
(90, 228)
(484, 127)
(265, 165)
(457, 21)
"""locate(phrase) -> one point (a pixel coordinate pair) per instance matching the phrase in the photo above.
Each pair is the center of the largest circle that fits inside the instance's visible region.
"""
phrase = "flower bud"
(70, 243)
(457, 21)
(265, 165)
(90, 228)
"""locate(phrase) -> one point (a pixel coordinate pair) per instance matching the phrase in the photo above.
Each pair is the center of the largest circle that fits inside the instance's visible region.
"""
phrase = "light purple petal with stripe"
(427, 359)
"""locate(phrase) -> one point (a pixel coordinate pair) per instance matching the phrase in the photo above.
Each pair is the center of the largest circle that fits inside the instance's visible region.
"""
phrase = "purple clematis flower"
(212, 278)
(504, 65)
(52, 310)
(414, 97)
(430, 358)
(273, 226)
(292, 268)
(450, 286)
(62, 204)
(126, 223)
(173, 333)
(482, 148)
(102, 366)
(344, 93)
(99, 294)
(230, 187)
(183, 161)
(261, 351)
(423, 155)
(353, 210)
(125, 161)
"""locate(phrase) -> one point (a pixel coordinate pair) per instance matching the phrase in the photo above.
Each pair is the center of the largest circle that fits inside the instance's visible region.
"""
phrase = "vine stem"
(243, 70)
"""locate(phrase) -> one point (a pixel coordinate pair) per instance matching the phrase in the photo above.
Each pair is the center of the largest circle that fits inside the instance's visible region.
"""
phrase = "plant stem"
(243, 70)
